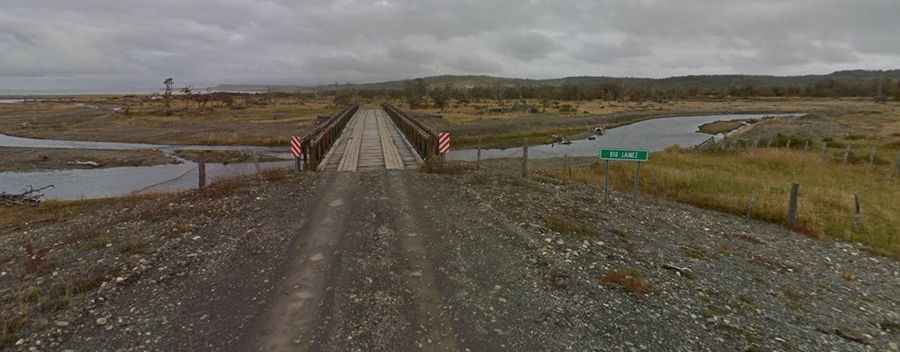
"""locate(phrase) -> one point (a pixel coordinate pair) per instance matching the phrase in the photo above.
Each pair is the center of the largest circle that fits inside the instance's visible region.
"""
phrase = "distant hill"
(705, 82)
(699, 81)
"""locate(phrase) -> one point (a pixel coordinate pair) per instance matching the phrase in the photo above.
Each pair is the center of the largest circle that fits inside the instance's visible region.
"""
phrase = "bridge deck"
(370, 141)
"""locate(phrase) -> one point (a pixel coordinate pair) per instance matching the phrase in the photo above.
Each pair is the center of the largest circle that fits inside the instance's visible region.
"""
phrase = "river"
(655, 135)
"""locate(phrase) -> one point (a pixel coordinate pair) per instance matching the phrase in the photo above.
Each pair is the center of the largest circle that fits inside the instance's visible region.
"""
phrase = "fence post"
(847, 155)
(872, 157)
(856, 213)
(478, 155)
(897, 167)
(606, 180)
(750, 208)
(637, 179)
(792, 205)
(201, 167)
(525, 159)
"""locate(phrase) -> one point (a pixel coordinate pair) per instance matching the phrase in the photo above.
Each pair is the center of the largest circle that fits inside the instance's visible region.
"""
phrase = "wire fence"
(848, 193)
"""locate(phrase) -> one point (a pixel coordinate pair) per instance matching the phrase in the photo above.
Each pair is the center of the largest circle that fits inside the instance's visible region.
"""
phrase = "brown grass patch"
(631, 280)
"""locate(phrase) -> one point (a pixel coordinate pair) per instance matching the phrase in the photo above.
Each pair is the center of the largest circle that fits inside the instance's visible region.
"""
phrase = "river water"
(122, 181)
(654, 135)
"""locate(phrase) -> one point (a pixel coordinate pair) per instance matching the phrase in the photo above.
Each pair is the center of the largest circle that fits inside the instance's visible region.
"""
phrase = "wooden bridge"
(370, 139)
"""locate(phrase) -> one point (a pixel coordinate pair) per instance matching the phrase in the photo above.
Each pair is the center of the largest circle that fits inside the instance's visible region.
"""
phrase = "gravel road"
(400, 261)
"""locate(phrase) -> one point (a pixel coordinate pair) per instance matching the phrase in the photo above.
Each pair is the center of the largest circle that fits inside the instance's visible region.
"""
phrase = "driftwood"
(30, 197)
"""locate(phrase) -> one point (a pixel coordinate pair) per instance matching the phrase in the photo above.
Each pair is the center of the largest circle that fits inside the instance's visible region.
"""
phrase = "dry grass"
(631, 280)
(727, 181)
(249, 121)
(224, 156)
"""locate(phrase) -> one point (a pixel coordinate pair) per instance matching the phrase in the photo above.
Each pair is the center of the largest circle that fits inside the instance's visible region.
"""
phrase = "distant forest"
(880, 85)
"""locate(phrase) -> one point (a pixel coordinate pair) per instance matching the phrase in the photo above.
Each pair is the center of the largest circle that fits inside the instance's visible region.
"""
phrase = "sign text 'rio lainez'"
(624, 154)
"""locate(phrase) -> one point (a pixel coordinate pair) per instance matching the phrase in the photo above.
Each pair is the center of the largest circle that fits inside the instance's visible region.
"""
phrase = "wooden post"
(478, 155)
(847, 155)
(637, 179)
(872, 157)
(792, 205)
(606, 180)
(750, 208)
(201, 167)
(525, 159)
(856, 213)
(897, 167)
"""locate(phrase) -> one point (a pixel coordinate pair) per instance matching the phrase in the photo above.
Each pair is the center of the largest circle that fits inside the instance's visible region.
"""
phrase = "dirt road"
(483, 261)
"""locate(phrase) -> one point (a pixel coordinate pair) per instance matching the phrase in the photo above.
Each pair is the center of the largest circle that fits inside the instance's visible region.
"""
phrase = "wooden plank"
(350, 159)
(392, 160)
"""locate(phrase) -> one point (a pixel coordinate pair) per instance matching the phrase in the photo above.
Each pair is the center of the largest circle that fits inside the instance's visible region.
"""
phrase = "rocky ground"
(404, 261)
(223, 156)
(27, 159)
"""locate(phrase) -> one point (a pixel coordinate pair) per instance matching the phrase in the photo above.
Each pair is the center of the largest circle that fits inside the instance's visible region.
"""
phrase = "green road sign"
(624, 154)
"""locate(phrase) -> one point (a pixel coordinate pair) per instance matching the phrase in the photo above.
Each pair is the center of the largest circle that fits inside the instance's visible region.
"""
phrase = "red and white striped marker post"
(443, 145)
(443, 142)
(297, 150)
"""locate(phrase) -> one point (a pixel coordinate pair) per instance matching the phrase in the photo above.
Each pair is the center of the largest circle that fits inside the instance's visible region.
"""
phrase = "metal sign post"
(617, 154)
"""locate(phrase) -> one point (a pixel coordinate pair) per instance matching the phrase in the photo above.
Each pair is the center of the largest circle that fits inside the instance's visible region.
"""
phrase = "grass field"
(246, 120)
(727, 181)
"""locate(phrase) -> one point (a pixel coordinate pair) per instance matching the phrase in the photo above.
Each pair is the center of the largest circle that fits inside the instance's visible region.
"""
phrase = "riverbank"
(723, 127)
(224, 156)
(30, 159)
(471, 127)
(835, 157)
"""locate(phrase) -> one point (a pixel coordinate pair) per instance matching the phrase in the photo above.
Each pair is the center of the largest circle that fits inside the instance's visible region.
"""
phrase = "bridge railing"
(423, 140)
(318, 142)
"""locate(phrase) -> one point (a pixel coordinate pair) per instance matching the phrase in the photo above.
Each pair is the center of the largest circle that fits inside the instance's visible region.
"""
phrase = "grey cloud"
(526, 46)
(604, 52)
(130, 43)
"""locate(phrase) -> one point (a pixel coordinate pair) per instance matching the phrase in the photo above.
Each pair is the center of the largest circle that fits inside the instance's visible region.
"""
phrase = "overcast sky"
(124, 44)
